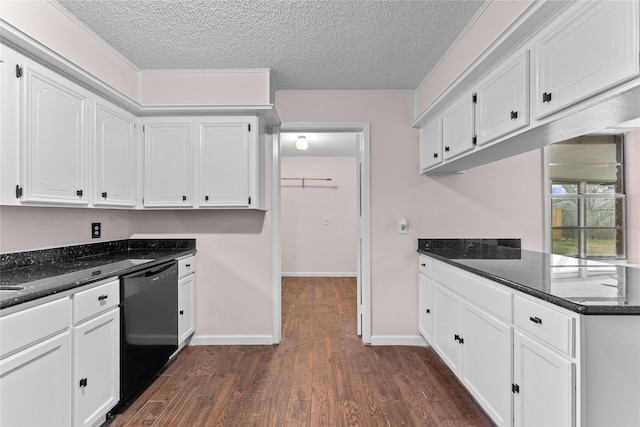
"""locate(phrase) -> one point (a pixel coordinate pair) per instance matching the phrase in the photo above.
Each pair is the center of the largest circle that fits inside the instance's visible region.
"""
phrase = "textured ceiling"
(308, 45)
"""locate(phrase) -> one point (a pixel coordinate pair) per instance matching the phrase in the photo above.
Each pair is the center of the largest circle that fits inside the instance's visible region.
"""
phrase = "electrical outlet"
(96, 230)
(326, 221)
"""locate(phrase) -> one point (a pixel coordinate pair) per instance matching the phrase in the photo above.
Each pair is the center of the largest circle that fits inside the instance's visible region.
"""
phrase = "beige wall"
(308, 245)
(503, 199)
(632, 160)
(27, 228)
(233, 266)
(493, 20)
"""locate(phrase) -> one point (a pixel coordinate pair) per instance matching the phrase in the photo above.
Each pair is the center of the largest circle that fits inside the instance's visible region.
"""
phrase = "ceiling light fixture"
(302, 143)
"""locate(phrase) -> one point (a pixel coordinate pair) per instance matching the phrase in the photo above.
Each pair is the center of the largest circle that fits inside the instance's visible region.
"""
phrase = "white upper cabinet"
(502, 99)
(458, 127)
(585, 52)
(168, 175)
(431, 144)
(54, 130)
(115, 156)
(224, 161)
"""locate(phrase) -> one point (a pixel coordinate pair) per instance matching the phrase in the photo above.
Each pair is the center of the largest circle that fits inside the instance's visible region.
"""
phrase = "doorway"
(348, 139)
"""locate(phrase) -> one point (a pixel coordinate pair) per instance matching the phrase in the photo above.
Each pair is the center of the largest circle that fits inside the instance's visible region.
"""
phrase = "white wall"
(309, 247)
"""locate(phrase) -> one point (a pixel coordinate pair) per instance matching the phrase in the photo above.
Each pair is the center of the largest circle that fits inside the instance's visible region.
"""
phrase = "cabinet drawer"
(549, 325)
(481, 292)
(186, 266)
(426, 265)
(95, 300)
(34, 324)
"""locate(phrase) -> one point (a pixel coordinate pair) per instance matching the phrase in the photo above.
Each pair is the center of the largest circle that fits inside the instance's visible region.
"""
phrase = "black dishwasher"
(149, 325)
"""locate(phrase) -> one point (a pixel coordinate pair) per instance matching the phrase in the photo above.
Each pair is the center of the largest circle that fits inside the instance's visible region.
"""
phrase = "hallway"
(320, 375)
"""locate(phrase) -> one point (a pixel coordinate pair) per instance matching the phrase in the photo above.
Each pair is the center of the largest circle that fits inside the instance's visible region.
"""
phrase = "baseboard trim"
(232, 340)
(410, 340)
(319, 274)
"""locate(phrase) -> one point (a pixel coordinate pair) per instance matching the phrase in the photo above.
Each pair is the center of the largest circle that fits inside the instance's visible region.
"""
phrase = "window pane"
(601, 212)
(605, 243)
(564, 242)
(585, 150)
(564, 188)
(564, 212)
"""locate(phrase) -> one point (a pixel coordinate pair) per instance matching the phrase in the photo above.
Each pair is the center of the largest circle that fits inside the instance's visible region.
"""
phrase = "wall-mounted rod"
(306, 179)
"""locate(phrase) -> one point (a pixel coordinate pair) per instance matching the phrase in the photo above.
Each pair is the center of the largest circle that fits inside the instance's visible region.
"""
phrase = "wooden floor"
(320, 375)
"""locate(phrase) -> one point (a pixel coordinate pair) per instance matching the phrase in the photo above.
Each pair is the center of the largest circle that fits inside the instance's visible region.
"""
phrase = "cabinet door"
(54, 138)
(168, 177)
(545, 385)
(445, 326)
(503, 101)
(36, 385)
(587, 53)
(486, 362)
(431, 144)
(424, 307)
(115, 156)
(186, 312)
(457, 127)
(224, 164)
(96, 371)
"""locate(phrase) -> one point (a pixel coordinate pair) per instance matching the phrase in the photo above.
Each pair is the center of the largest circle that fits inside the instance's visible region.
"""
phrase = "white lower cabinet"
(477, 348)
(35, 385)
(543, 385)
(186, 303)
(424, 306)
(96, 353)
(96, 376)
(186, 321)
(446, 326)
(486, 343)
(35, 366)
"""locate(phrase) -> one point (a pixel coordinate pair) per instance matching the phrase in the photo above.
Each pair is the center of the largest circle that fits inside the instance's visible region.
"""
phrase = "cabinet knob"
(103, 297)
(181, 312)
(79, 193)
(187, 265)
(83, 382)
(446, 149)
(435, 155)
(424, 265)
(428, 310)
(206, 198)
(514, 115)
(546, 97)
(104, 194)
(184, 198)
(536, 320)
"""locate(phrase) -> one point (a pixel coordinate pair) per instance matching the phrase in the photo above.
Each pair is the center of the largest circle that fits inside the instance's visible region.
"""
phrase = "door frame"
(364, 223)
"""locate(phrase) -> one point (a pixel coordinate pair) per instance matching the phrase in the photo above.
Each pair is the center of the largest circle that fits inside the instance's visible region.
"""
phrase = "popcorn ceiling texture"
(308, 45)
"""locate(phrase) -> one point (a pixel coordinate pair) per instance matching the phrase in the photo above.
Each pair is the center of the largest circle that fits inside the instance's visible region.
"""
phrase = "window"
(588, 203)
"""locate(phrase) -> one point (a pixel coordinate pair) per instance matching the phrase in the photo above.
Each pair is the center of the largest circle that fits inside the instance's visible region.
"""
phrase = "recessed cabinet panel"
(224, 164)
(424, 307)
(586, 52)
(445, 324)
(486, 360)
(54, 139)
(96, 379)
(186, 314)
(36, 385)
(457, 127)
(168, 178)
(430, 144)
(503, 101)
(115, 157)
(545, 383)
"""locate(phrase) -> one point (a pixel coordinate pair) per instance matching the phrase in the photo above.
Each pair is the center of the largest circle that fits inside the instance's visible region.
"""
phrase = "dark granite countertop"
(585, 287)
(38, 274)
